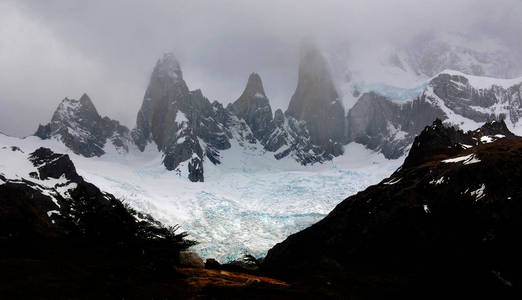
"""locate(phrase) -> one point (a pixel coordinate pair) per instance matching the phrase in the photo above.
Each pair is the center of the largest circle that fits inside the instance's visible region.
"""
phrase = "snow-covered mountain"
(79, 126)
(466, 101)
(402, 71)
(227, 174)
(188, 129)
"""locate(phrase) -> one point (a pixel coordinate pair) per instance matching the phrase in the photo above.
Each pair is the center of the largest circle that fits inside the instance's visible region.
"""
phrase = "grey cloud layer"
(52, 49)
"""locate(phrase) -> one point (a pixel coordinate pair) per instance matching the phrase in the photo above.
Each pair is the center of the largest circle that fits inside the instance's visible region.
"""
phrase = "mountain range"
(242, 177)
(189, 130)
(446, 221)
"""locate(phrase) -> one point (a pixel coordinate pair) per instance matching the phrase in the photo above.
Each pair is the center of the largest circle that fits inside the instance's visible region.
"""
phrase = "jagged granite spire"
(178, 120)
(158, 110)
(253, 106)
(316, 101)
(79, 126)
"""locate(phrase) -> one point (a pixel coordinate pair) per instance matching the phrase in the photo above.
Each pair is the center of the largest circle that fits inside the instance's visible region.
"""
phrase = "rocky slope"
(446, 222)
(383, 125)
(79, 126)
(466, 101)
(46, 186)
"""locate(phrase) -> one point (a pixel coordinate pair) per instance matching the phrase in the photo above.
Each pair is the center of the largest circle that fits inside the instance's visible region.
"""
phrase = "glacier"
(246, 205)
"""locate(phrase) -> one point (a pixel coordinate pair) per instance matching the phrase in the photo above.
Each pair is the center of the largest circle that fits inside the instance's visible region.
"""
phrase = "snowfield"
(247, 204)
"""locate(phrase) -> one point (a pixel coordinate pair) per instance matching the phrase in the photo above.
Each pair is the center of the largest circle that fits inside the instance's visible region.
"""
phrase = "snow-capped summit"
(79, 126)
(68, 108)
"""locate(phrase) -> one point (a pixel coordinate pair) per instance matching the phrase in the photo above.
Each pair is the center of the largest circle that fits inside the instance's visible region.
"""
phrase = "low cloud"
(53, 49)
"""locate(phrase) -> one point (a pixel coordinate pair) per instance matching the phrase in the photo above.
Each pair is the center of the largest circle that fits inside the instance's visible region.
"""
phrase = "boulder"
(190, 259)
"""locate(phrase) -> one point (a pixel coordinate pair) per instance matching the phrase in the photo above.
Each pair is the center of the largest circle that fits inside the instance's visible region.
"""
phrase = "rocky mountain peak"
(70, 108)
(168, 67)
(86, 102)
(316, 100)
(79, 126)
(166, 92)
(254, 86)
(442, 139)
(253, 106)
(177, 119)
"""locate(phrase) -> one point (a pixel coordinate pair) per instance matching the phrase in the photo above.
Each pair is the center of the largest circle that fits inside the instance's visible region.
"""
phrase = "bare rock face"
(79, 126)
(157, 119)
(53, 165)
(183, 124)
(316, 102)
(390, 126)
(253, 106)
(387, 126)
(476, 103)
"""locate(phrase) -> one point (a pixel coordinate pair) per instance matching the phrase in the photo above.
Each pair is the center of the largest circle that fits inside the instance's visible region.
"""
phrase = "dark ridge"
(448, 222)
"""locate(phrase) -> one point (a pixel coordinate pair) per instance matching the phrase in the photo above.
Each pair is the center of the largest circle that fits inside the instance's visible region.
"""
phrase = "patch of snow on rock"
(466, 159)
(478, 193)
(486, 139)
(180, 117)
(438, 181)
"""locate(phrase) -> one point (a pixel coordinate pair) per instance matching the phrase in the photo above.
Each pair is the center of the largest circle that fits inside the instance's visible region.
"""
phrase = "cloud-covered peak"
(168, 66)
(254, 86)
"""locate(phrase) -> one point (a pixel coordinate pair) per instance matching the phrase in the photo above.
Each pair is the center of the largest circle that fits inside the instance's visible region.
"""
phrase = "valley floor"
(246, 205)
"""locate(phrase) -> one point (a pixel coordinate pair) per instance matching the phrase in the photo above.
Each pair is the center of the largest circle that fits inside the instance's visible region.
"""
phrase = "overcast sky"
(54, 49)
